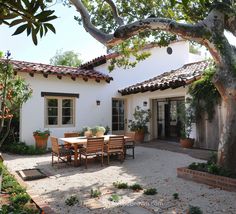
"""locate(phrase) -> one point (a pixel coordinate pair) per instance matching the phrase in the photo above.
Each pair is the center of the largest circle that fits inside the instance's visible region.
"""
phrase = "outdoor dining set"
(83, 148)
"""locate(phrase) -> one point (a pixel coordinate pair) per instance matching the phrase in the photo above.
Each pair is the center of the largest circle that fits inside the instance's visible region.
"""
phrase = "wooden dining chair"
(70, 134)
(129, 142)
(93, 148)
(60, 151)
(115, 145)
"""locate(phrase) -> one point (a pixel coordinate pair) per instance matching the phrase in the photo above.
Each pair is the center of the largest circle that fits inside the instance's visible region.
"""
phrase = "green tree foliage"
(31, 16)
(13, 93)
(204, 94)
(68, 58)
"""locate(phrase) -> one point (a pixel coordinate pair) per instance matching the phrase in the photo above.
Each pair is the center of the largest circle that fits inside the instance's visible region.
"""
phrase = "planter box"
(41, 141)
(216, 181)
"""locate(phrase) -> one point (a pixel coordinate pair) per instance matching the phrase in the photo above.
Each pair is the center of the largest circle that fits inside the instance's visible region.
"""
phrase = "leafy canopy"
(102, 17)
(32, 16)
(68, 58)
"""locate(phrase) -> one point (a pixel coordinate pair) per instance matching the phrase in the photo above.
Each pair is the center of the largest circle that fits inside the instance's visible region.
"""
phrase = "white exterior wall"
(138, 99)
(87, 112)
(159, 62)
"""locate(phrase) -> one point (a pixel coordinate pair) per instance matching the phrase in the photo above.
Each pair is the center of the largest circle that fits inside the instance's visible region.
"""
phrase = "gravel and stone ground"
(151, 168)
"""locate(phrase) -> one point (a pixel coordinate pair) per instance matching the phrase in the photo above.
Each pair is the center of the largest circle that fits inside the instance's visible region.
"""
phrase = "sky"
(69, 36)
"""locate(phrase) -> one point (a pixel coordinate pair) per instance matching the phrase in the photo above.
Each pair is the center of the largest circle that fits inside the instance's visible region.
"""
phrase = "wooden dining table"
(77, 142)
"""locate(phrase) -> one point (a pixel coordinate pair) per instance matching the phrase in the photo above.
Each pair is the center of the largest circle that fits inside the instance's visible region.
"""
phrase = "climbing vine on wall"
(204, 94)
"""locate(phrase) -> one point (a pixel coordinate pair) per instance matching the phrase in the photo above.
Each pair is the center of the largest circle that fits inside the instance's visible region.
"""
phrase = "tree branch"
(89, 27)
(8, 127)
(116, 16)
(230, 25)
(193, 32)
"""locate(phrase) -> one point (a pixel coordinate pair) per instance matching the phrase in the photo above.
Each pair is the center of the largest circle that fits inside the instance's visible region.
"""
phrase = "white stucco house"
(67, 99)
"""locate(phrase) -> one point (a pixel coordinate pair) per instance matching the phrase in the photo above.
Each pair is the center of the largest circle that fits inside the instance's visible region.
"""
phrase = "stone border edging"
(216, 181)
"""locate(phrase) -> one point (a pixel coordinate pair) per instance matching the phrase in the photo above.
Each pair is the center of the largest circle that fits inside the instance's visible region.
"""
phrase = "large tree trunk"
(225, 81)
(227, 144)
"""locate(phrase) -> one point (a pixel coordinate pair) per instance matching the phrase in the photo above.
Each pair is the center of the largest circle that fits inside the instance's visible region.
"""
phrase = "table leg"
(76, 155)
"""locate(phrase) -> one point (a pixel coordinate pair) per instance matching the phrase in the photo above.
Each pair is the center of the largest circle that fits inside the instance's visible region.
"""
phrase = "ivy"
(204, 94)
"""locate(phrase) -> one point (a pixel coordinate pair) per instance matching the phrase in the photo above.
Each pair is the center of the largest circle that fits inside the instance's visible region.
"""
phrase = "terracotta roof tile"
(173, 79)
(99, 60)
(45, 69)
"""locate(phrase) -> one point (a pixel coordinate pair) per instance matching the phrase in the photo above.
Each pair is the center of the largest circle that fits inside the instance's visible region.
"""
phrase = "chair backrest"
(55, 146)
(95, 144)
(131, 136)
(71, 134)
(116, 142)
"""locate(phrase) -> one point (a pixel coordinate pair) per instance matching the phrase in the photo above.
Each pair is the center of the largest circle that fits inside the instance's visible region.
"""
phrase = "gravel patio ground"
(152, 168)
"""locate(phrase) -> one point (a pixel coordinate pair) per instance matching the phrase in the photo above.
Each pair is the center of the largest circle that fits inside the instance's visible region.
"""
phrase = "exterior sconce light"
(144, 103)
(98, 102)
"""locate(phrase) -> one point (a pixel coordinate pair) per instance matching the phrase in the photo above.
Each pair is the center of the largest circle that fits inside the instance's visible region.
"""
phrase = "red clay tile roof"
(99, 60)
(45, 69)
(173, 79)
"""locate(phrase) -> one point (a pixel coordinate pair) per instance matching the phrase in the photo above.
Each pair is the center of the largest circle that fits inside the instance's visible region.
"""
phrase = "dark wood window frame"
(57, 94)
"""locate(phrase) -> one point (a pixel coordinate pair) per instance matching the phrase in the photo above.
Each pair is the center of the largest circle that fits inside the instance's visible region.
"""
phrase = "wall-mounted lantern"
(145, 103)
(98, 102)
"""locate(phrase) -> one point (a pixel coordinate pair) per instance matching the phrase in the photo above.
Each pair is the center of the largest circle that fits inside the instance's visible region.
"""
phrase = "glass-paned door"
(169, 125)
(118, 116)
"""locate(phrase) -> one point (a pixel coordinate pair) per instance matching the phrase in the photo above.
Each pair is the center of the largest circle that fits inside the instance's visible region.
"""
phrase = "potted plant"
(41, 138)
(100, 130)
(107, 130)
(139, 124)
(186, 117)
(86, 131)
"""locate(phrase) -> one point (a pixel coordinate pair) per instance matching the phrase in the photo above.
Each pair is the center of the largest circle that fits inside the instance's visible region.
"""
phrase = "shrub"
(120, 185)
(136, 187)
(212, 158)
(114, 198)
(22, 149)
(176, 195)
(150, 191)
(194, 210)
(95, 193)
(20, 198)
(212, 168)
(72, 200)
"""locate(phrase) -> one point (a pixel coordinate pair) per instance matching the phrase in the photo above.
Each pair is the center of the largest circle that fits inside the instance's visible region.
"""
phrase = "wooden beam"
(58, 94)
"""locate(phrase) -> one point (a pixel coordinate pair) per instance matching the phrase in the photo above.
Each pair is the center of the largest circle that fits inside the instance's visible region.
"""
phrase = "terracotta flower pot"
(187, 142)
(88, 134)
(41, 141)
(139, 136)
(100, 134)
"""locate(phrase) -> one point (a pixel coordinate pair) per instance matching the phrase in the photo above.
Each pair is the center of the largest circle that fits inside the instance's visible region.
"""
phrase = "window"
(59, 111)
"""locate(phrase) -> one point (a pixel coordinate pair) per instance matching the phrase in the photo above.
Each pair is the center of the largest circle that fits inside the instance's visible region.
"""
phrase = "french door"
(169, 124)
(118, 116)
